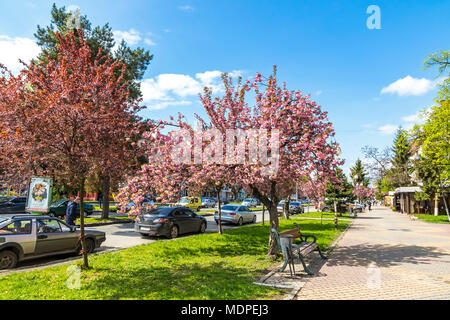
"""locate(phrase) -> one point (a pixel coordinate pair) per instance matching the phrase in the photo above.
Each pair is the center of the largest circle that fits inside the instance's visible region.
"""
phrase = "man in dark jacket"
(71, 214)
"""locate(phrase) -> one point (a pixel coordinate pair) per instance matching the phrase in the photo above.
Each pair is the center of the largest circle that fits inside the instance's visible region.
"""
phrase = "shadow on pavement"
(384, 255)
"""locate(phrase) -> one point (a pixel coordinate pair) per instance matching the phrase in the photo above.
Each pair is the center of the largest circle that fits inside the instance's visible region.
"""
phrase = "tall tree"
(400, 173)
(441, 59)
(359, 175)
(99, 39)
(339, 193)
(433, 165)
(69, 117)
(292, 122)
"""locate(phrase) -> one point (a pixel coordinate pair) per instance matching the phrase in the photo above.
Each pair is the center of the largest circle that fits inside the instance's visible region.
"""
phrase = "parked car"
(131, 204)
(193, 203)
(250, 202)
(208, 203)
(355, 206)
(25, 237)
(59, 208)
(13, 206)
(169, 222)
(4, 199)
(236, 214)
(295, 207)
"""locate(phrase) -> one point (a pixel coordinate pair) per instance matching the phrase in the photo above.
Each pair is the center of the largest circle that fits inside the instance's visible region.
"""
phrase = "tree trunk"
(273, 218)
(82, 233)
(286, 208)
(321, 213)
(263, 213)
(219, 221)
(335, 216)
(105, 200)
(446, 206)
(436, 205)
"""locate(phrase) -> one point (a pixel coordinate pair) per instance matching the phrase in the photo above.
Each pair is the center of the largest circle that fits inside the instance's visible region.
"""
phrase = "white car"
(235, 214)
(250, 202)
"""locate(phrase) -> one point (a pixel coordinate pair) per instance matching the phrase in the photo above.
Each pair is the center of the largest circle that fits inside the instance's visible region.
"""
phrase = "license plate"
(145, 229)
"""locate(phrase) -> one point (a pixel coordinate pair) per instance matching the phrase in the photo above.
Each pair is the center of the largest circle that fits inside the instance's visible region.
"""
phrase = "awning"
(408, 190)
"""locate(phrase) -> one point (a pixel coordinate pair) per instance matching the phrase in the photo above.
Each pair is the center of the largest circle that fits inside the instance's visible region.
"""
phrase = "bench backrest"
(294, 232)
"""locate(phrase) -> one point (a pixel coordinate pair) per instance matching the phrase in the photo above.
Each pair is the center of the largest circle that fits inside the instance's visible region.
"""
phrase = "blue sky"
(369, 80)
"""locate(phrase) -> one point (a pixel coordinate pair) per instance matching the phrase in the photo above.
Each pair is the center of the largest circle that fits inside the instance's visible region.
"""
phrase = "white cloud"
(13, 49)
(417, 118)
(409, 86)
(131, 37)
(318, 92)
(73, 8)
(388, 129)
(163, 105)
(173, 89)
(149, 42)
(186, 8)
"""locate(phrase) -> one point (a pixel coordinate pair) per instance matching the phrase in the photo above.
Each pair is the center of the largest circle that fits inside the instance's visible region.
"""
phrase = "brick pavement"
(384, 255)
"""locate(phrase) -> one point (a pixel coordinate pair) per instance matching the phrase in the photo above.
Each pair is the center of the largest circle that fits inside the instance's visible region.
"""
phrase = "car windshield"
(163, 211)
(230, 208)
(184, 200)
(3, 220)
(295, 203)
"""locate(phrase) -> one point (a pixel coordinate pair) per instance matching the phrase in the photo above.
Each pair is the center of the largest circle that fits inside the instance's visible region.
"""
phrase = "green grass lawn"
(202, 267)
(328, 215)
(111, 208)
(432, 218)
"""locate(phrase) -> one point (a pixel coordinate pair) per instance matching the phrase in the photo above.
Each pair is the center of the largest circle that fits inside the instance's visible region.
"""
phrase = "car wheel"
(202, 227)
(173, 232)
(144, 235)
(254, 219)
(90, 245)
(240, 222)
(51, 214)
(8, 260)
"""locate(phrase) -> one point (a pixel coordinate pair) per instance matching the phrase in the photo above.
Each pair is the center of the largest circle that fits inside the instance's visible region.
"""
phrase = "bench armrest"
(306, 236)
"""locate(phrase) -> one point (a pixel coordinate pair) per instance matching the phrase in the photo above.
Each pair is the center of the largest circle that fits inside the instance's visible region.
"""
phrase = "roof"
(408, 189)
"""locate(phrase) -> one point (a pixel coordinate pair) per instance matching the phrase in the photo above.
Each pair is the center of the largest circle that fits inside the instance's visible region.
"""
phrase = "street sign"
(39, 195)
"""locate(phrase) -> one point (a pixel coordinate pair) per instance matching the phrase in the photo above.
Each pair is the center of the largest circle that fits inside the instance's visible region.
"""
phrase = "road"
(121, 236)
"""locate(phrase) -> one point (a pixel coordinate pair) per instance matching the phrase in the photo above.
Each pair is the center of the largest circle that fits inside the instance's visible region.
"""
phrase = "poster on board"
(39, 195)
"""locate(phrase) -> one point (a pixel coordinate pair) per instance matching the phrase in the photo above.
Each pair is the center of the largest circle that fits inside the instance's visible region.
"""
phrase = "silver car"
(24, 237)
(250, 202)
(208, 203)
(236, 214)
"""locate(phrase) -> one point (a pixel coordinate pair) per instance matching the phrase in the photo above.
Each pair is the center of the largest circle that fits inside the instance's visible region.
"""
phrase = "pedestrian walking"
(71, 215)
(370, 205)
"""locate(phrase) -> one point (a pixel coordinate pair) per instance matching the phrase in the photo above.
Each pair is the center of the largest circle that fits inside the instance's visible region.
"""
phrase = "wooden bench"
(301, 249)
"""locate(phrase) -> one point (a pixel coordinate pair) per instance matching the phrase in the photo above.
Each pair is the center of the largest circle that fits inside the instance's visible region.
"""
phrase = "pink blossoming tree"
(297, 128)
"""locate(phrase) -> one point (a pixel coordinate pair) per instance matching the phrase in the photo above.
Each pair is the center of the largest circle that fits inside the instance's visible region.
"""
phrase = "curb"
(99, 224)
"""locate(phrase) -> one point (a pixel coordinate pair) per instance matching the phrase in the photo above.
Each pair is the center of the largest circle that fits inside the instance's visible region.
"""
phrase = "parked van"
(193, 203)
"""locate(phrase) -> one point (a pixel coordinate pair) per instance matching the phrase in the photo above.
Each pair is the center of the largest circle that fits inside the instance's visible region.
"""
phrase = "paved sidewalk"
(384, 255)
